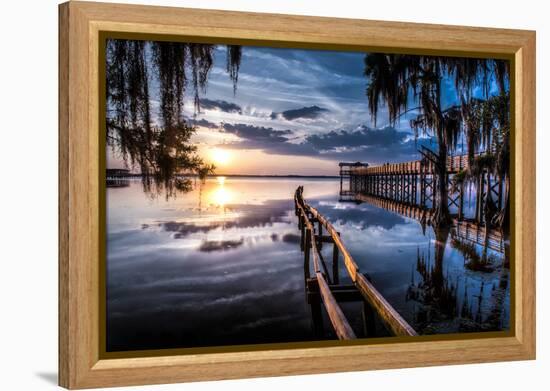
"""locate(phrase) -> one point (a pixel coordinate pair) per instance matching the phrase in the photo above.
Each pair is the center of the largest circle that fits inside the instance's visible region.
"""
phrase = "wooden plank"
(389, 315)
(324, 238)
(337, 318)
(341, 293)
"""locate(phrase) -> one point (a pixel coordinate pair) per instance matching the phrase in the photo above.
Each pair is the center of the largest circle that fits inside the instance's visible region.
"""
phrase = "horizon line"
(129, 174)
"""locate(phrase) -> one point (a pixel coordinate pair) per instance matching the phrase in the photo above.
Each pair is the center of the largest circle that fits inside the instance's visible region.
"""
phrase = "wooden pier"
(454, 165)
(414, 183)
(316, 229)
(409, 188)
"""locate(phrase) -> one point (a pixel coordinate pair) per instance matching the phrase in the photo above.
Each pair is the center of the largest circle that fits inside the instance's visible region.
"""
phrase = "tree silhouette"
(392, 79)
(486, 121)
(397, 80)
(158, 146)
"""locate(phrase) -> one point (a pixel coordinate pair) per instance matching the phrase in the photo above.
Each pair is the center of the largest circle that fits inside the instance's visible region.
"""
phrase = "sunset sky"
(294, 112)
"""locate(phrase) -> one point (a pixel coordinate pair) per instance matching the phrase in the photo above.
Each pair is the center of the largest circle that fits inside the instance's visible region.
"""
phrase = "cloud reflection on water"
(196, 272)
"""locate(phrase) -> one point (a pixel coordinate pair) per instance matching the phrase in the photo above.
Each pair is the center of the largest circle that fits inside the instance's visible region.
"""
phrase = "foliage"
(460, 177)
(482, 163)
(397, 80)
(458, 180)
(159, 148)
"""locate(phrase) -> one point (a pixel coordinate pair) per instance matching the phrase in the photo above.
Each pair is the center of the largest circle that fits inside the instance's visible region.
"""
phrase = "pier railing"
(454, 164)
(337, 318)
(307, 217)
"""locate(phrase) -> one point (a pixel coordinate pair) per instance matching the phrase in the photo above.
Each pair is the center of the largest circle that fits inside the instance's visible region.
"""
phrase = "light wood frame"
(80, 24)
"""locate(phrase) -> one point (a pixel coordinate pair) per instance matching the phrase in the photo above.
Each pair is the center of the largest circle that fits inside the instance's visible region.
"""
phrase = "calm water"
(221, 265)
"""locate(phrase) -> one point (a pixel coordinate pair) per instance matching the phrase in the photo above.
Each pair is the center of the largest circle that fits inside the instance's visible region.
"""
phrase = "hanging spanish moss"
(234, 53)
(157, 143)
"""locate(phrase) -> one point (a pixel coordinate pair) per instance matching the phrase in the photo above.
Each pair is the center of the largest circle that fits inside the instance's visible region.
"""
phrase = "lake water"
(221, 265)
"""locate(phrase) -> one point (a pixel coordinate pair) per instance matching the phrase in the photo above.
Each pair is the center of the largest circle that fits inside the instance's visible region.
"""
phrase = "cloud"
(184, 229)
(310, 112)
(208, 246)
(258, 133)
(204, 123)
(221, 105)
(371, 146)
(360, 144)
(269, 140)
(250, 216)
(360, 217)
(361, 137)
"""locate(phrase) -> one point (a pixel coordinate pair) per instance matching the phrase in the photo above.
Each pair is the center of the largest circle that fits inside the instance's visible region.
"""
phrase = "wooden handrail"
(454, 164)
(337, 318)
(387, 313)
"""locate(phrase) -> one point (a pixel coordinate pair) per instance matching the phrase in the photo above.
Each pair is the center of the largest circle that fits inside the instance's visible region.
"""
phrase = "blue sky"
(295, 112)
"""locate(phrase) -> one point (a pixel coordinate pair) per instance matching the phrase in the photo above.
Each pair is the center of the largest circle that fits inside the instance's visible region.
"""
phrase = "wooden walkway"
(454, 165)
(411, 188)
(312, 225)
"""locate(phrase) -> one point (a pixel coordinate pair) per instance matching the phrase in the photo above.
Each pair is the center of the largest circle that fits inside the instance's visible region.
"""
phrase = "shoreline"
(128, 176)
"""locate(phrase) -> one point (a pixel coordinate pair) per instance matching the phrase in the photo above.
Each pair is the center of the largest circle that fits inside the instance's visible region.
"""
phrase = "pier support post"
(335, 258)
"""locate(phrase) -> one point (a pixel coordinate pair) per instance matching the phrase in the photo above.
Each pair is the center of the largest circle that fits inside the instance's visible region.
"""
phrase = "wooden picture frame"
(81, 25)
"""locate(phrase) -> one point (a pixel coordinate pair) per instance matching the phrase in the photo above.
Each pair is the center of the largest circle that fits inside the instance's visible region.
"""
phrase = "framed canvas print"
(248, 195)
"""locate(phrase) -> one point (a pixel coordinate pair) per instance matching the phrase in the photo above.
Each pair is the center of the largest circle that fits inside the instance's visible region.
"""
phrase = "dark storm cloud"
(221, 105)
(362, 137)
(310, 112)
(269, 140)
(279, 148)
(204, 123)
(337, 144)
(258, 133)
(361, 144)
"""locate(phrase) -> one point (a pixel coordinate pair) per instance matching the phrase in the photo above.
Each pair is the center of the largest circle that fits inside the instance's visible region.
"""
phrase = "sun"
(220, 157)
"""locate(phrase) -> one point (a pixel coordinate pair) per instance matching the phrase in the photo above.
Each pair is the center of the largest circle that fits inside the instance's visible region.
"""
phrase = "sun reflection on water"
(221, 195)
